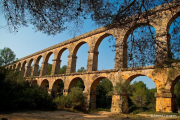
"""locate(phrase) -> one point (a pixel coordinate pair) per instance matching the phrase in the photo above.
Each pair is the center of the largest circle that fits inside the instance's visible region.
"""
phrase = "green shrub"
(60, 101)
(75, 100)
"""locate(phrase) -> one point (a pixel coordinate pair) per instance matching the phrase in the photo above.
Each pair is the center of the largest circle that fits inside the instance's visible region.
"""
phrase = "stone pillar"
(120, 56)
(85, 93)
(55, 66)
(92, 62)
(44, 67)
(165, 102)
(34, 71)
(119, 103)
(22, 71)
(27, 71)
(163, 51)
(92, 101)
(71, 66)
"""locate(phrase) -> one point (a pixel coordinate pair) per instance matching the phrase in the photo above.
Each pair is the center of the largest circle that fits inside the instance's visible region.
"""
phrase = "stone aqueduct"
(160, 18)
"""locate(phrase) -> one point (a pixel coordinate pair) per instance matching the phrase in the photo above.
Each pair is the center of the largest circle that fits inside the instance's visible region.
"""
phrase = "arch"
(78, 46)
(55, 91)
(137, 44)
(93, 91)
(30, 62)
(174, 83)
(61, 52)
(100, 39)
(104, 58)
(47, 56)
(132, 77)
(47, 67)
(34, 82)
(132, 28)
(75, 62)
(173, 36)
(175, 92)
(24, 63)
(14, 66)
(55, 84)
(61, 60)
(38, 59)
(37, 65)
(172, 20)
(95, 83)
(19, 66)
(141, 88)
(73, 82)
(43, 84)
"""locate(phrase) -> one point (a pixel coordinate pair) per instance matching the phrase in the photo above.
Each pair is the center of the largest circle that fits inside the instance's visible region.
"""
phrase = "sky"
(26, 41)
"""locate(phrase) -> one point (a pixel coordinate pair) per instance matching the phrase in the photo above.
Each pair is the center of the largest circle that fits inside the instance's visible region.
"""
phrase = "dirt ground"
(64, 115)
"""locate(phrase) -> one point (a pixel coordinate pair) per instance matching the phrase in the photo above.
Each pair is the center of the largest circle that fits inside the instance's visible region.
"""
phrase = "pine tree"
(139, 96)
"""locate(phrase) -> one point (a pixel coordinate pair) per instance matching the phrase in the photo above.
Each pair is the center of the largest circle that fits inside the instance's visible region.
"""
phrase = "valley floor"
(64, 115)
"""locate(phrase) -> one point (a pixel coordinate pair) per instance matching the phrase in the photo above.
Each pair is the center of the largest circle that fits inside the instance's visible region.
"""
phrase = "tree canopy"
(6, 56)
(63, 69)
(139, 96)
(82, 69)
(53, 16)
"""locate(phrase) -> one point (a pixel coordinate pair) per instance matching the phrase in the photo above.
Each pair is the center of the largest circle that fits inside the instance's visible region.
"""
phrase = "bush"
(17, 94)
(75, 100)
(60, 101)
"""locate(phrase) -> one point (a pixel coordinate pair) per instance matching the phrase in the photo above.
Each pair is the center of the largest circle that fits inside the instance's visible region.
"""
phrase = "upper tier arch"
(171, 20)
(99, 40)
(61, 52)
(132, 28)
(77, 46)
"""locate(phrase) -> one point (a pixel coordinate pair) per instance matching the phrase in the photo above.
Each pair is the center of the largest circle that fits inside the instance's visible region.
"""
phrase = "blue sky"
(26, 41)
